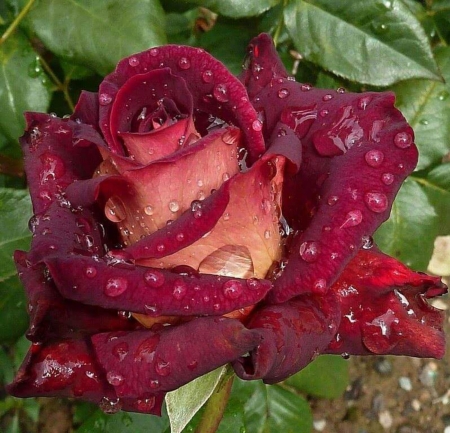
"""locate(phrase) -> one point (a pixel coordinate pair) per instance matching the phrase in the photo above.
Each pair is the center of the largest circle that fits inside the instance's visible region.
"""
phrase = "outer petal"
(357, 150)
(168, 359)
(384, 309)
(294, 333)
(151, 291)
(215, 91)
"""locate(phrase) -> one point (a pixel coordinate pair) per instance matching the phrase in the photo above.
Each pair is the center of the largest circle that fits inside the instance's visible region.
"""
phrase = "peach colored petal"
(246, 240)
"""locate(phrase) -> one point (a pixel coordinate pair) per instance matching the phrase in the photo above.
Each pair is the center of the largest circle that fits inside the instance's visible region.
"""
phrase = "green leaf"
(23, 85)
(6, 369)
(271, 408)
(183, 403)
(235, 8)
(122, 422)
(13, 426)
(15, 211)
(97, 34)
(409, 233)
(426, 106)
(376, 42)
(440, 11)
(326, 377)
(436, 186)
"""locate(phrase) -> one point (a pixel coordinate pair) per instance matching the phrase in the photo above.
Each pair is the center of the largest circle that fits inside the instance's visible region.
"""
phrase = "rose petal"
(86, 110)
(384, 309)
(167, 359)
(164, 189)
(341, 134)
(250, 222)
(214, 89)
(294, 333)
(47, 145)
(120, 285)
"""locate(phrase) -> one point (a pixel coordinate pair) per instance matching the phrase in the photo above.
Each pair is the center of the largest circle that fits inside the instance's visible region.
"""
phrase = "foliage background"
(51, 49)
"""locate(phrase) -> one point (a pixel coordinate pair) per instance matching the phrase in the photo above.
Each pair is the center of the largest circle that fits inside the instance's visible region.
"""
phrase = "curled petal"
(155, 292)
(384, 309)
(293, 333)
(357, 150)
(167, 359)
(86, 110)
(214, 89)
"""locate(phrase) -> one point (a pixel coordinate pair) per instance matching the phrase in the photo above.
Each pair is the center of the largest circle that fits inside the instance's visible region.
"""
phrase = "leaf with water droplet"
(185, 402)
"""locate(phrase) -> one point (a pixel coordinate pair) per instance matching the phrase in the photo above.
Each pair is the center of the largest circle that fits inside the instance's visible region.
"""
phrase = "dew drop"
(133, 61)
(154, 278)
(207, 76)
(115, 379)
(403, 140)
(232, 289)
(174, 206)
(345, 355)
(327, 97)
(374, 157)
(332, 200)
(145, 405)
(162, 367)
(192, 365)
(104, 99)
(323, 113)
(115, 286)
(120, 351)
(180, 237)
(320, 286)
(115, 209)
(367, 242)
(90, 272)
(154, 52)
(179, 289)
(253, 283)
(196, 208)
(387, 178)
(305, 87)
(353, 218)
(220, 92)
(226, 216)
(148, 210)
(154, 383)
(225, 177)
(364, 102)
(231, 136)
(110, 406)
(340, 90)
(267, 234)
(376, 201)
(184, 63)
(257, 125)
(283, 93)
(309, 251)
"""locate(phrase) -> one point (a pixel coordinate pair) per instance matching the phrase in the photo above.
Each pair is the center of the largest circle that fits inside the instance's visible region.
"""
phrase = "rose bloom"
(186, 219)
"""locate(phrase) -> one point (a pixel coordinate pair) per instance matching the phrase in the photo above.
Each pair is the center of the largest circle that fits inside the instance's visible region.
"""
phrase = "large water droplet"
(283, 93)
(115, 209)
(179, 289)
(207, 76)
(154, 278)
(184, 63)
(403, 140)
(149, 210)
(115, 379)
(174, 206)
(232, 289)
(353, 218)
(90, 272)
(133, 61)
(220, 92)
(376, 201)
(104, 99)
(257, 125)
(309, 251)
(374, 157)
(115, 286)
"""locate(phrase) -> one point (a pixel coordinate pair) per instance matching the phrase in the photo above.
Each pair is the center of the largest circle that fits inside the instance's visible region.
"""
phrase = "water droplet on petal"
(340, 90)
(220, 92)
(374, 157)
(387, 178)
(148, 210)
(53, 167)
(162, 367)
(180, 237)
(353, 218)
(320, 286)
(196, 208)
(267, 234)
(403, 140)
(104, 99)
(305, 87)
(323, 113)
(115, 209)
(90, 272)
(345, 355)
(115, 286)
(154, 278)
(231, 136)
(154, 52)
(115, 379)
(364, 102)
(145, 405)
(309, 251)
(367, 242)
(110, 406)
(120, 351)
(133, 61)
(179, 289)
(327, 97)
(283, 93)
(253, 283)
(232, 289)
(174, 206)
(184, 63)
(332, 200)
(257, 125)
(207, 76)
(376, 201)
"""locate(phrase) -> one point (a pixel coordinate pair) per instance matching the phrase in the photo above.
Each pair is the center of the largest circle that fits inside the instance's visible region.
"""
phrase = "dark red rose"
(180, 202)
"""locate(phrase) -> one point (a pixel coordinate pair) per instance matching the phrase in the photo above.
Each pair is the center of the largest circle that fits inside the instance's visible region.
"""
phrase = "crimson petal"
(151, 291)
(357, 150)
(165, 360)
(384, 309)
(214, 89)
(294, 333)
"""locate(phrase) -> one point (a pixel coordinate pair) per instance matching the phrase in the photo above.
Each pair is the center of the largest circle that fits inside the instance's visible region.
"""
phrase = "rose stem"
(215, 406)
(16, 22)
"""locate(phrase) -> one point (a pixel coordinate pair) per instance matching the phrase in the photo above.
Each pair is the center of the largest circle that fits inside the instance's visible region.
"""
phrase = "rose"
(133, 216)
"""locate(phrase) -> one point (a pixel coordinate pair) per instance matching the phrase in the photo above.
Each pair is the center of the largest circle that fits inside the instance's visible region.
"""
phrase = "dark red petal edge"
(357, 150)
(214, 90)
(384, 309)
